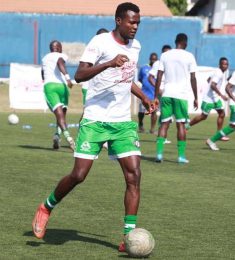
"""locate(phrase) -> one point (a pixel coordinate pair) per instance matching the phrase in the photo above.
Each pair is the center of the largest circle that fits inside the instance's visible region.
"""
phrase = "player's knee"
(133, 178)
(78, 176)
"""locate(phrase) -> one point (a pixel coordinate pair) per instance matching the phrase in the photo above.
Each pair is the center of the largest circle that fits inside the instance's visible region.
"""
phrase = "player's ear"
(118, 20)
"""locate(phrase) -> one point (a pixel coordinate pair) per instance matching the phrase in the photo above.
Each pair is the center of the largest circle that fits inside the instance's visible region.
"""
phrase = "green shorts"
(207, 107)
(84, 92)
(174, 107)
(122, 138)
(56, 94)
(232, 115)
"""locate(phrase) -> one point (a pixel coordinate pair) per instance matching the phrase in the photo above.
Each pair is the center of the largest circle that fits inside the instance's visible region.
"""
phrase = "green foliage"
(189, 209)
(177, 7)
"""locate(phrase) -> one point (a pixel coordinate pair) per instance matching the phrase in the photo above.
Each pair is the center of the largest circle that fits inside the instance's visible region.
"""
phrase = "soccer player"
(153, 77)
(214, 97)
(149, 90)
(109, 62)
(56, 83)
(230, 89)
(178, 66)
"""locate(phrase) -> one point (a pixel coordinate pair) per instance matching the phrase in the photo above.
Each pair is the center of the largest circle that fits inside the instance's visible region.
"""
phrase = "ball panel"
(139, 242)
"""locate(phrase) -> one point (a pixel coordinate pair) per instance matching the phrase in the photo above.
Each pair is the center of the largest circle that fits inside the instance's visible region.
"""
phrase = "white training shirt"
(218, 77)
(232, 81)
(177, 65)
(50, 68)
(154, 71)
(109, 93)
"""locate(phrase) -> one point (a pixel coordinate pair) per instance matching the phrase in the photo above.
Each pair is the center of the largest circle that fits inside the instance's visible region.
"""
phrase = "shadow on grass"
(44, 148)
(153, 159)
(61, 236)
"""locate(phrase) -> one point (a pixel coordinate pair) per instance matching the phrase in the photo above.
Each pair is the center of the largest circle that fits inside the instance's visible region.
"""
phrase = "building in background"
(218, 15)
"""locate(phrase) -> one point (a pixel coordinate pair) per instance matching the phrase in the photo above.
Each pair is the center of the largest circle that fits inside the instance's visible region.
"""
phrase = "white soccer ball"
(139, 242)
(13, 119)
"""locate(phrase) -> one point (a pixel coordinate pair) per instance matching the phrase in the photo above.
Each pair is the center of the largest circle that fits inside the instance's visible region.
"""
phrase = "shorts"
(174, 107)
(232, 115)
(56, 94)
(122, 138)
(207, 107)
(84, 92)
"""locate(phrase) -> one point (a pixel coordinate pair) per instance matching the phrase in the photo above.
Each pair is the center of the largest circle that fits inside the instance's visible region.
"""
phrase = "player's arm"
(150, 106)
(42, 74)
(151, 79)
(157, 85)
(193, 82)
(63, 70)
(86, 70)
(214, 88)
(229, 91)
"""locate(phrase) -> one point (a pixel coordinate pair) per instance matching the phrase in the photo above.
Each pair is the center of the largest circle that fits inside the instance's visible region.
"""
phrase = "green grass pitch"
(189, 209)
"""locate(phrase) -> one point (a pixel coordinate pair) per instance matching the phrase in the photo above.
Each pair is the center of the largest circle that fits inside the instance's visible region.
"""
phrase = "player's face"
(224, 65)
(153, 58)
(128, 25)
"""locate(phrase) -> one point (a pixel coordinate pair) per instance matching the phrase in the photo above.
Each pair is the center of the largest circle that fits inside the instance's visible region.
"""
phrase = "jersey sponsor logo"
(85, 146)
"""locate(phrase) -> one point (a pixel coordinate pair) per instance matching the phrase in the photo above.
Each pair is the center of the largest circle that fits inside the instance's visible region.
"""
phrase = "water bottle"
(27, 127)
(52, 125)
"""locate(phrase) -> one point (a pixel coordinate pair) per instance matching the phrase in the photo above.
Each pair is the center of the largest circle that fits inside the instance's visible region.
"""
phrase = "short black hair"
(153, 54)
(101, 30)
(52, 44)
(166, 46)
(181, 37)
(222, 58)
(124, 7)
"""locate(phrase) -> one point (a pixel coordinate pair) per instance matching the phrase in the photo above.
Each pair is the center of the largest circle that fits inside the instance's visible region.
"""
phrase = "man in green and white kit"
(56, 83)
(230, 89)
(179, 67)
(109, 63)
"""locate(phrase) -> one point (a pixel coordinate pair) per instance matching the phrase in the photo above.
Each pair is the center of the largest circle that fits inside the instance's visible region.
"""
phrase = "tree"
(177, 7)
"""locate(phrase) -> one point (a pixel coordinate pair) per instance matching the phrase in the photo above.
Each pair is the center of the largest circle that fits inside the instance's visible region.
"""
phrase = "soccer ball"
(13, 119)
(139, 242)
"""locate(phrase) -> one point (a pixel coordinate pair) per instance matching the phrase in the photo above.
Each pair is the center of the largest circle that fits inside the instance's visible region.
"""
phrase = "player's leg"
(211, 142)
(206, 108)
(124, 145)
(220, 118)
(141, 118)
(66, 184)
(166, 117)
(153, 123)
(87, 149)
(181, 116)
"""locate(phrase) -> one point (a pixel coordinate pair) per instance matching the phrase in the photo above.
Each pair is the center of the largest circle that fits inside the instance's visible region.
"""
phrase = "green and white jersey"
(232, 81)
(177, 64)
(218, 77)
(52, 73)
(109, 93)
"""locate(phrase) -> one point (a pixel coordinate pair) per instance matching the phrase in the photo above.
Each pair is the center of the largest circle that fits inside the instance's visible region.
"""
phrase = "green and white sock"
(66, 133)
(58, 130)
(129, 223)
(51, 201)
(181, 146)
(160, 144)
(224, 132)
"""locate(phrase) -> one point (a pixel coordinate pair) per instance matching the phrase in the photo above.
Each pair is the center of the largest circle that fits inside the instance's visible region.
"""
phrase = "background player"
(56, 83)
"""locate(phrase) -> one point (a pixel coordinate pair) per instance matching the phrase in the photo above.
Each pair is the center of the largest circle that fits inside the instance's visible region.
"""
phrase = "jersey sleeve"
(232, 79)
(161, 63)
(92, 51)
(63, 56)
(216, 76)
(192, 65)
(154, 69)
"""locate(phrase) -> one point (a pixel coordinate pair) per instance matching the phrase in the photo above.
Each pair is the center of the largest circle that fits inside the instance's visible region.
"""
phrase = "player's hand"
(118, 61)
(195, 104)
(151, 106)
(225, 98)
(69, 83)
